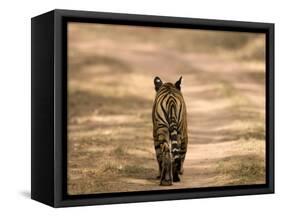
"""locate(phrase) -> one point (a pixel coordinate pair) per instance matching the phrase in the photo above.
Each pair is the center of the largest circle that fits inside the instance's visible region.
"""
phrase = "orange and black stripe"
(169, 126)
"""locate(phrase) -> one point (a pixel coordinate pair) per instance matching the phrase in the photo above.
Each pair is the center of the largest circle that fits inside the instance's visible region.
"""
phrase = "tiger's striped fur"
(169, 130)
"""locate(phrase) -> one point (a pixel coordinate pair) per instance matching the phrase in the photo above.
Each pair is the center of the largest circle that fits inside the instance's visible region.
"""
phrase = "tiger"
(169, 117)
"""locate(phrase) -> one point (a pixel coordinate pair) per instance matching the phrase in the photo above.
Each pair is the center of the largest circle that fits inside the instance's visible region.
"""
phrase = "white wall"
(15, 106)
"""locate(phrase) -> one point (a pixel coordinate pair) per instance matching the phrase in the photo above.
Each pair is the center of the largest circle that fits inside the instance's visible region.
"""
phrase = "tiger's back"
(169, 129)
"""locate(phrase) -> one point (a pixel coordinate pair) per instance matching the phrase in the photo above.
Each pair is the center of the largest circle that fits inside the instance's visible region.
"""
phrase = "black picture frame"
(49, 110)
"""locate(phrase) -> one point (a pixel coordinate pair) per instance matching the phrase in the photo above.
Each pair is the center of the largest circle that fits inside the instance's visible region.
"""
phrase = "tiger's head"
(158, 84)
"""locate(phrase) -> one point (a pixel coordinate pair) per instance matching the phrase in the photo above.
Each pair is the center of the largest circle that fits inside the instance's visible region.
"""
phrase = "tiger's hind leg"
(181, 163)
(159, 159)
(166, 172)
(182, 155)
(176, 172)
(160, 169)
(181, 170)
(160, 138)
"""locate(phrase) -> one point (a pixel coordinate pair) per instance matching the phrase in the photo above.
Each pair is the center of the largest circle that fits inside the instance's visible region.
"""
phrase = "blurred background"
(110, 95)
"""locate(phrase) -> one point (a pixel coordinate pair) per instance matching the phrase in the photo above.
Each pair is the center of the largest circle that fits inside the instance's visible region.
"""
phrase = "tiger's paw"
(165, 182)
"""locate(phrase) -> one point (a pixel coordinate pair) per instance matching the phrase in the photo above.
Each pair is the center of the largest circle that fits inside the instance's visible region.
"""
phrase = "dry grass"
(245, 168)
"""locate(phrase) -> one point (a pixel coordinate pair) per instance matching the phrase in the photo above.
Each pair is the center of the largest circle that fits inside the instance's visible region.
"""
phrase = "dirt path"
(110, 129)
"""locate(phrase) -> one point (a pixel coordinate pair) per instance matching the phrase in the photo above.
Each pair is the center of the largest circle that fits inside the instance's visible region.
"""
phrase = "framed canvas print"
(134, 108)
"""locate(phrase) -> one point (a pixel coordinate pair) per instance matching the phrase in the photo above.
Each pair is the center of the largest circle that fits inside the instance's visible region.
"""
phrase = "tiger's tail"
(175, 148)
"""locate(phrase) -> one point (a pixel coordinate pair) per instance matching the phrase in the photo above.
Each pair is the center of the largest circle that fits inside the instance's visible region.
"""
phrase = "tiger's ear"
(178, 84)
(157, 83)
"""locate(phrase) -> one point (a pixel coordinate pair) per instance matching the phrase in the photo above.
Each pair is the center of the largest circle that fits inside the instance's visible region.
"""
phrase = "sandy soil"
(111, 71)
